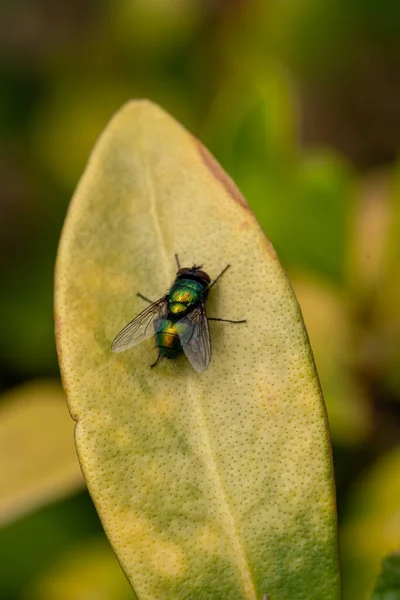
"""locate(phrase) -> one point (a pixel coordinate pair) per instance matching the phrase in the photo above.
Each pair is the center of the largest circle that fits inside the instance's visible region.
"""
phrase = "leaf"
(38, 459)
(388, 584)
(209, 485)
(371, 527)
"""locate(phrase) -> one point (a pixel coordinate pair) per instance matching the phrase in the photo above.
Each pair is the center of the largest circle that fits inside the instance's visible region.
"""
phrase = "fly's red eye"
(184, 271)
(203, 275)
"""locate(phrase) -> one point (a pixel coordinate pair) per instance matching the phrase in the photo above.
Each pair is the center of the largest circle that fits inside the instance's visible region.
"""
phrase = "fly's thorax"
(184, 295)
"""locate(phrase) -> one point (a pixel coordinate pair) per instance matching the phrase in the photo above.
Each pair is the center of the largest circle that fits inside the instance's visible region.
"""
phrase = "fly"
(178, 319)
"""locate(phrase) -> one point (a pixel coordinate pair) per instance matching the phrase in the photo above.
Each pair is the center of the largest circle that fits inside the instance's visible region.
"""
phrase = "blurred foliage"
(35, 424)
(255, 141)
(300, 102)
(325, 312)
(371, 527)
(388, 584)
(89, 571)
(35, 544)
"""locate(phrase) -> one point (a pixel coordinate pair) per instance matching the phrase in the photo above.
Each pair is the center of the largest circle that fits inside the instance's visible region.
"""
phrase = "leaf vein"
(226, 513)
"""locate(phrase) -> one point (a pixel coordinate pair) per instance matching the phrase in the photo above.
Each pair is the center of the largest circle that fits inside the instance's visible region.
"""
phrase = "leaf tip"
(139, 104)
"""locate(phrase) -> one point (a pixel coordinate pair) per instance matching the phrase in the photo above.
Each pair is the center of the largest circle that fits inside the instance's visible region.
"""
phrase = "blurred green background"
(300, 102)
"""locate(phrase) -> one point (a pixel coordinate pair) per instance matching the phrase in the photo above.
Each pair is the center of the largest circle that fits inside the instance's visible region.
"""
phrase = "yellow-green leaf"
(38, 461)
(209, 485)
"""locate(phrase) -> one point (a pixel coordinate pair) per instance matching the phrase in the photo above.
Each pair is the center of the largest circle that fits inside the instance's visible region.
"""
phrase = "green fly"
(178, 319)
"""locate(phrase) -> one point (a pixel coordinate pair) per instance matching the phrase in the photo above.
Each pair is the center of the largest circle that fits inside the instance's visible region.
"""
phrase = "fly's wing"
(194, 336)
(141, 327)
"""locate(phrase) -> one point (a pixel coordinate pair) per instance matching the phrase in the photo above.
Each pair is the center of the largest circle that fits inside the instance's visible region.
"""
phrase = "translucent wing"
(141, 327)
(194, 336)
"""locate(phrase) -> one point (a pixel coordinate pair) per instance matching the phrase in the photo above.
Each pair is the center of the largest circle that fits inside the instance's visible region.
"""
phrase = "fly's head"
(194, 272)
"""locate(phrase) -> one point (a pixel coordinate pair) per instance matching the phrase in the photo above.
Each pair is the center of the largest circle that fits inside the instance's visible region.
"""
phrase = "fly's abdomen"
(185, 294)
(167, 338)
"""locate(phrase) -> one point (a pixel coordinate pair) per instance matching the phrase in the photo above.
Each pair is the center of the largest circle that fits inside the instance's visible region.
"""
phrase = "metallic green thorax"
(184, 295)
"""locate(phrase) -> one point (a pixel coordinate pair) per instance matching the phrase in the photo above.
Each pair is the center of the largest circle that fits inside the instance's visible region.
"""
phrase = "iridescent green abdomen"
(185, 294)
(167, 337)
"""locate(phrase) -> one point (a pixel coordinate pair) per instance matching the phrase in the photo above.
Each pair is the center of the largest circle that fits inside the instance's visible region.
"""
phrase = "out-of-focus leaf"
(304, 34)
(370, 227)
(154, 28)
(55, 529)
(321, 199)
(371, 527)
(373, 258)
(27, 340)
(388, 584)
(72, 115)
(372, 262)
(38, 461)
(89, 571)
(327, 318)
(251, 127)
(211, 485)
(388, 292)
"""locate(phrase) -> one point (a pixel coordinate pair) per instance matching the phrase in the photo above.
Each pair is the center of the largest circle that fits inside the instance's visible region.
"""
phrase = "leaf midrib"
(221, 496)
(149, 184)
(209, 459)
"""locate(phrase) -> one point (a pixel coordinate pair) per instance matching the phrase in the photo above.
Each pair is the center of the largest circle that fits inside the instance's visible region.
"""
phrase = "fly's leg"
(209, 287)
(226, 320)
(158, 358)
(178, 264)
(144, 298)
(220, 275)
